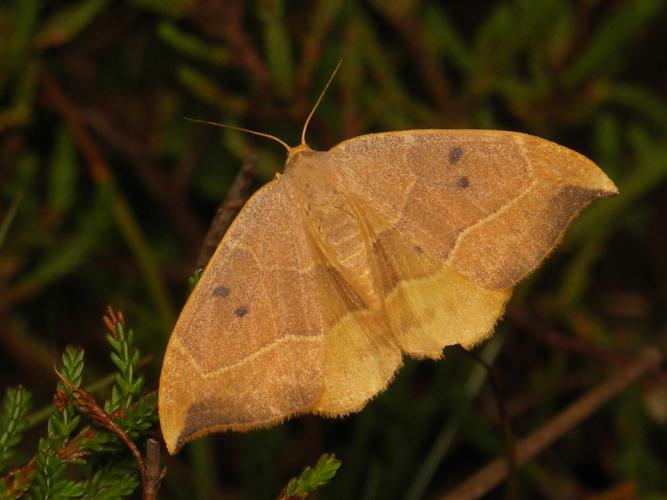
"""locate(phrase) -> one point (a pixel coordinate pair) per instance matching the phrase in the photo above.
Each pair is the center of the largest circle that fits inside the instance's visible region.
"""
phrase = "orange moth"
(386, 245)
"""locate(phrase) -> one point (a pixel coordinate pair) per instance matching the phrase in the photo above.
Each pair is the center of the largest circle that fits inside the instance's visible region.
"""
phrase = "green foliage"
(194, 279)
(15, 406)
(609, 46)
(129, 382)
(63, 422)
(65, 24)
(192, 46)
(49, 480)
(312, 479)
(76, 436)
(111, 482)
(8, 218)
(63, 173)
(277, 44)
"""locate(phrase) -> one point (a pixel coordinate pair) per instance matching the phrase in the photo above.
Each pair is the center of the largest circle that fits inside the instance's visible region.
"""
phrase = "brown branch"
(151, 474)
(17, 480)
(72, 449)
(154, 473)
(99, 170)
(87, 405)
(487, 478)
(233, 202)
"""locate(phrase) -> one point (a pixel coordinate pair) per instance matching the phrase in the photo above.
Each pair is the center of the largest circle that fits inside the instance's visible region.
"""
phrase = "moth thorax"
(345, 244)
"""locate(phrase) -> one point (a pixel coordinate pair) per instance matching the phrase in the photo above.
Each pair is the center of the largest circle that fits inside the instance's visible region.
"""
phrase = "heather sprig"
(82, 431)
(15, 407)
(312, 479)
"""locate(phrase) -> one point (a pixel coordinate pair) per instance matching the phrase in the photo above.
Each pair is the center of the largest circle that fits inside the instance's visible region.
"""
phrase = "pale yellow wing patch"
(429, 305)
(360, 355)
(426, 306)
(360, 360)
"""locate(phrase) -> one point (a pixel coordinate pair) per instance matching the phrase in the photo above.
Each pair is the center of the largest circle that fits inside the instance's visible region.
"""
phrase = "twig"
(87, 405)
(487, 478)
(68, 452)
(15, 479)
(151, 474)
(154, 473)
(236, 197)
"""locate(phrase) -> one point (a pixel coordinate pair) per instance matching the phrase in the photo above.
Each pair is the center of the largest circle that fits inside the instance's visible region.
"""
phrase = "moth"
(386, 245)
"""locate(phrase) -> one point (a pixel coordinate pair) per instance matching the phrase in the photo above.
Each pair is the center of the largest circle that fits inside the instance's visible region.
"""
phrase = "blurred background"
(106, 194)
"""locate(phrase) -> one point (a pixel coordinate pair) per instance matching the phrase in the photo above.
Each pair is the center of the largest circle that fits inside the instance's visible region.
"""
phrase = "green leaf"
(608, 144)
(441, 34)
(65, 24)
(16, 405)
(639, 100)
(125, 357)
(62, 423)
(193, 46)
(62, 172)
(594, 227)
(277, 44)
(73, 365)
(50, 481)
(19, 111)
(171, 8)
(206, 89)
(192, 280)
(608, 46)
(15, 42)
(112, 482)
(141, 416)
(70, 252)
(8, 217)
(313, 479)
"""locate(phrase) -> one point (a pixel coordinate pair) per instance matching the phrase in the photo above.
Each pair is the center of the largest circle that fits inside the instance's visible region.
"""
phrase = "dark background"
(121, 220)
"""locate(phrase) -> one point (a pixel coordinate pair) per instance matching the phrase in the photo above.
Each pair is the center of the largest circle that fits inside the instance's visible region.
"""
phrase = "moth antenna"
(317, 103)
(241, 129)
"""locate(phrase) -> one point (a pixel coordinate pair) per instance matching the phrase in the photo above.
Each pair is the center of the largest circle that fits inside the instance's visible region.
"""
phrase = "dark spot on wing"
(455, 154)
(241, 311)
(221, 291)
(463, 182)
(418, 249)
